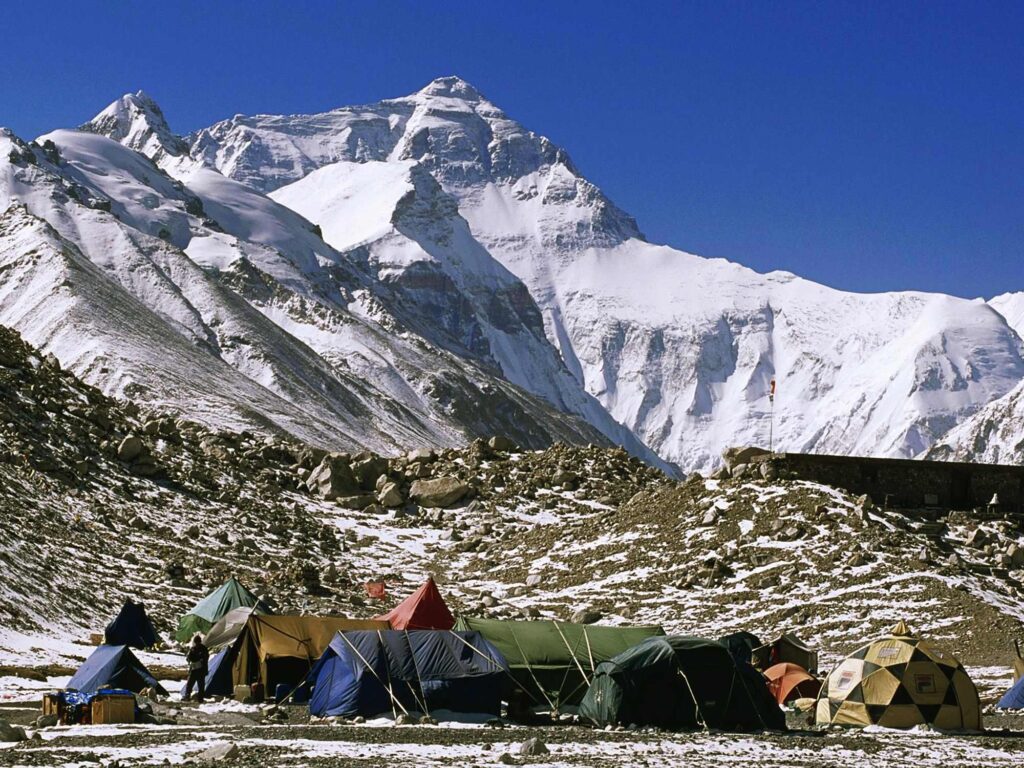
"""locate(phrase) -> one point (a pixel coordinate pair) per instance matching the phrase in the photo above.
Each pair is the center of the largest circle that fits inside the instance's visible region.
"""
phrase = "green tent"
(681, 683)
(208, 611)
(552, 662)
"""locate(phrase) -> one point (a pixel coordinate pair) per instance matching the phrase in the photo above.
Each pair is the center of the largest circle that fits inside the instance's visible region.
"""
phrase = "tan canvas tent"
(282, 649)
(900, 681)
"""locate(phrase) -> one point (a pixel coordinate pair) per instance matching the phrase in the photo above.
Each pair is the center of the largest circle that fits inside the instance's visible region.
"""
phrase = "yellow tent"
(282, 649)
(900, 681)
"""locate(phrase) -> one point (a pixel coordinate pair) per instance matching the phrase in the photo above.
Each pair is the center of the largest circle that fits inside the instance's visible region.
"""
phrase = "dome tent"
(680, 683)
(229, 595)
(741, 645)
(900, 681)
(790, 681)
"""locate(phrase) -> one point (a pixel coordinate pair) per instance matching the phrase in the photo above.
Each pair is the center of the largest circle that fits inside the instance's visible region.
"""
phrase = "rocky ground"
(101, 501)
(239, 735)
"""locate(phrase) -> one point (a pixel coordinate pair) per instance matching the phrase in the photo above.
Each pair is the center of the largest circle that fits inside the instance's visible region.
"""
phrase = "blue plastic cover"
(113, 666)
(370, 673)
(1013, 698)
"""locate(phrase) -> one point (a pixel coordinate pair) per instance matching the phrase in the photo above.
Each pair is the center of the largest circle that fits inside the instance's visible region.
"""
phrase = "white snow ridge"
(425, 269)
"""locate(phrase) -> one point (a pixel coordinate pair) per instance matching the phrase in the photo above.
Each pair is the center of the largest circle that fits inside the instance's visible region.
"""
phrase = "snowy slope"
(426, 272)
(995, 433)
(238, 334)
(678, 348)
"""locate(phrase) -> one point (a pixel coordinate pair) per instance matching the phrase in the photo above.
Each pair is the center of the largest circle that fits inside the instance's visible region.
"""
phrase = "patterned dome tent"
(900, 681)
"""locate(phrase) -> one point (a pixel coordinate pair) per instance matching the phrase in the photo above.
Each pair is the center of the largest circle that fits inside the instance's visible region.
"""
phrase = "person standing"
(198, 658)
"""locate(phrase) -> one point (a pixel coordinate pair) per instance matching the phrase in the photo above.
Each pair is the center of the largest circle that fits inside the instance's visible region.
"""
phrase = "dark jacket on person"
(198, 656)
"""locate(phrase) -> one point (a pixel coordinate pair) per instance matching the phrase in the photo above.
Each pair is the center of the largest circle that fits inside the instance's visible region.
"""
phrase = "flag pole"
(771, 415)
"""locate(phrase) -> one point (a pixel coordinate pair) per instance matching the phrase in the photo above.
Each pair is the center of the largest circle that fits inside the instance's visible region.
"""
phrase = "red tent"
(423, 609)
(791, 681)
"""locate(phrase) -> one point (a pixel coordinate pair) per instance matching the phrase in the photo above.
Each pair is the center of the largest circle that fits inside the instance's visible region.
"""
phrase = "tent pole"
(493, 663)
(696, 704)
(572, 653)
(422, 700)
(387, 687)
(530, 670)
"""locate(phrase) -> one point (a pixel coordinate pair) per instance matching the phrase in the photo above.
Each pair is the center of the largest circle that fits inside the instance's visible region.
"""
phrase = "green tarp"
(552, 662)
(681, 683)
(208, 611)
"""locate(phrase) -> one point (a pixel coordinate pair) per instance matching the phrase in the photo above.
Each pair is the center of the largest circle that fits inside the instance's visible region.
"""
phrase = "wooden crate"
(52, 704)
(113, 708)
(96, 638)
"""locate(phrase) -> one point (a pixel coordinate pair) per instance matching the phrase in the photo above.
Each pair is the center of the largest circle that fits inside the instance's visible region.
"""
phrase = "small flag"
(771, 390)
(376, 589)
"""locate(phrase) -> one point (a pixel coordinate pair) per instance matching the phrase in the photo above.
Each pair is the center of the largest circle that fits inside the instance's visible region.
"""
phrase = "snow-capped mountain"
(995, 433)
(244, 320)
(677, 348)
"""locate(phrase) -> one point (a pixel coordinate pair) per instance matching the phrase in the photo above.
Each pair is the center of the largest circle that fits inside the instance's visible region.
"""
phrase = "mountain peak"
(137, 121)
(451, 87)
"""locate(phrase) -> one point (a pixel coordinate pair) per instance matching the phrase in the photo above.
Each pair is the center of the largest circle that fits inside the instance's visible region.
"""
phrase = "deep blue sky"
(870, 148)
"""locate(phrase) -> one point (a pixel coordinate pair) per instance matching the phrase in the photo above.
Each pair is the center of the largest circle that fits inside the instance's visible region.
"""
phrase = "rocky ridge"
(104, 500)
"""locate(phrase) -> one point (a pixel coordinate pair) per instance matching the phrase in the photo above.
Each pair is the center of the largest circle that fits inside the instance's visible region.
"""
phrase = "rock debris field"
(103, 501)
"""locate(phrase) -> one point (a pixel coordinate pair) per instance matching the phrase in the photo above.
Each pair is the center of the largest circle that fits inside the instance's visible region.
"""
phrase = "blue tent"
(219, 681)
(1013, 698)
(113, 666)
(131, 627)
(370, 673)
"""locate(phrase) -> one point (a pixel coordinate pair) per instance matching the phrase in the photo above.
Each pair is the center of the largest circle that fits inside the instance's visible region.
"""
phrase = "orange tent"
(790, 681)
(423, 609)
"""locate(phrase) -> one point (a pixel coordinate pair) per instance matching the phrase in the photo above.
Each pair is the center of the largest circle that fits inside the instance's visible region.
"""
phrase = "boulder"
(499, 443)
(356, 500)
(390, 495)
(978, 539)
(1016, 555)
(218, 753)
(332, 478)
(533, 747)
(367, 471)
(11, 733)
(130, 448)
(742, 455)
(586, 616)
(424, 455)
(439, 492)
(46, 721)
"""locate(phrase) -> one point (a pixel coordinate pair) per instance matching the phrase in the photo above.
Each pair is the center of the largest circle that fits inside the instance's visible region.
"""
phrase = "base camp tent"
(281, 650)
(680, 683)
(113, 666)
(131, 627)
(900, 681)
(788, 682)
(229, 595)
(423, 609)
(393, 672)
(552, 662)
(741, 645)
(786, 648)
(228, 628)
(1013, 698)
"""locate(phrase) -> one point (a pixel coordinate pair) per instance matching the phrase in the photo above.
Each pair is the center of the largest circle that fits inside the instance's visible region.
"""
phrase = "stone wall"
(909, 482)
